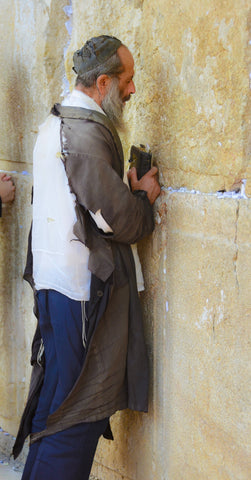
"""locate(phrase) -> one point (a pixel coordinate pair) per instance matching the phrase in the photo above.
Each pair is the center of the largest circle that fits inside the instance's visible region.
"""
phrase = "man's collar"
(81, 99)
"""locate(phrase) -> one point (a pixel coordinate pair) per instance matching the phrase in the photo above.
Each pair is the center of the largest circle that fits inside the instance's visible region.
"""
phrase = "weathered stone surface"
(33, 36)
(197, 316)
(16, 322)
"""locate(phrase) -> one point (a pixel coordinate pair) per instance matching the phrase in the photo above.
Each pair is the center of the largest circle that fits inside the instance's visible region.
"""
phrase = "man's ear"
(102, 83)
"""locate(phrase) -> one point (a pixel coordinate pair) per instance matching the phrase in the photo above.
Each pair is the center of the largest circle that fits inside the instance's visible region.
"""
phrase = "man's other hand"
(7, 189)
(149, 183)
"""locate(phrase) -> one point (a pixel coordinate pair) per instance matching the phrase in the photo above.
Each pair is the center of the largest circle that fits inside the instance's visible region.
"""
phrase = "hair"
(112, 67)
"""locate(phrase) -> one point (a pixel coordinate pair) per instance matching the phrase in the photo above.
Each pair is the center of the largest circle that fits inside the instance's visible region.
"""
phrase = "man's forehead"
(126, 58)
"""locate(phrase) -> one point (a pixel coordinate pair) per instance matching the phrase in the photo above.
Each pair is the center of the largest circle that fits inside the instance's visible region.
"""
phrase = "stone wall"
(192, 106)
(33, 36)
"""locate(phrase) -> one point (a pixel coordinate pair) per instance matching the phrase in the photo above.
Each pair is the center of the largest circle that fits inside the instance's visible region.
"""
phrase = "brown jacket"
(115, 372)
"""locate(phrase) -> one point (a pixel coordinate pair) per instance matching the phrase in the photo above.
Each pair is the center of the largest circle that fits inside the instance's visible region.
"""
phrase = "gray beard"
(113, 105)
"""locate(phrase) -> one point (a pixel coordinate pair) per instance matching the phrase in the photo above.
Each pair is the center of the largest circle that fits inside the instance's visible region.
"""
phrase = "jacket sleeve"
(98, 186)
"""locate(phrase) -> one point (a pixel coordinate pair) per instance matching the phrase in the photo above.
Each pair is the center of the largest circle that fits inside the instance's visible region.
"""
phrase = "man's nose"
(132, 88)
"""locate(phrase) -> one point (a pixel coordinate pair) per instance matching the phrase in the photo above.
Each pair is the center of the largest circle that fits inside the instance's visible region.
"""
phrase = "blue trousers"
(66, 455)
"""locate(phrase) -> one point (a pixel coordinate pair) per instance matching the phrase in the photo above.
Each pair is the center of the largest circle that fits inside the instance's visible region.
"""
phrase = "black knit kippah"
(95, 52)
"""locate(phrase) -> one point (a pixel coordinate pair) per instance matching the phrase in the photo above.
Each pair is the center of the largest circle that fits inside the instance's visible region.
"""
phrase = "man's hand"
(148, 182)
(7, 189)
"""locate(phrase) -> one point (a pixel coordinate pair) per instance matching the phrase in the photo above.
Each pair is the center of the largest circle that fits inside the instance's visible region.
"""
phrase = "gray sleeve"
(98, 186)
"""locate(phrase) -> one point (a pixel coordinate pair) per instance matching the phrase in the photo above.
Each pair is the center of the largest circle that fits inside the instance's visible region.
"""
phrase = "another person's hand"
(7, 188)
(149, 183)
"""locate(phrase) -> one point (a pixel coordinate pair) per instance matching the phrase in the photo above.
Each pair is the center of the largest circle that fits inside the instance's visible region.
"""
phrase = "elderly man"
(84, 221)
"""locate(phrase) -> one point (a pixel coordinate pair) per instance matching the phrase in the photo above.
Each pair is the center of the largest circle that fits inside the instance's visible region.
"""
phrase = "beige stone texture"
(31, 80)
(192, 106)
(197, 310)
(15, 306)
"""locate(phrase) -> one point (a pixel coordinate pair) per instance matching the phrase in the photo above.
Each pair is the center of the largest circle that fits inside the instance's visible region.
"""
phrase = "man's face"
(126, 84)
(120, 89)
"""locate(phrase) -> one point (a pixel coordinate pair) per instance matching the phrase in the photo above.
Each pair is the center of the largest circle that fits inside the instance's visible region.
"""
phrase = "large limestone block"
(32, 58)
(194, 89)
(197, 312)
(33, 36)
(16, 319)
